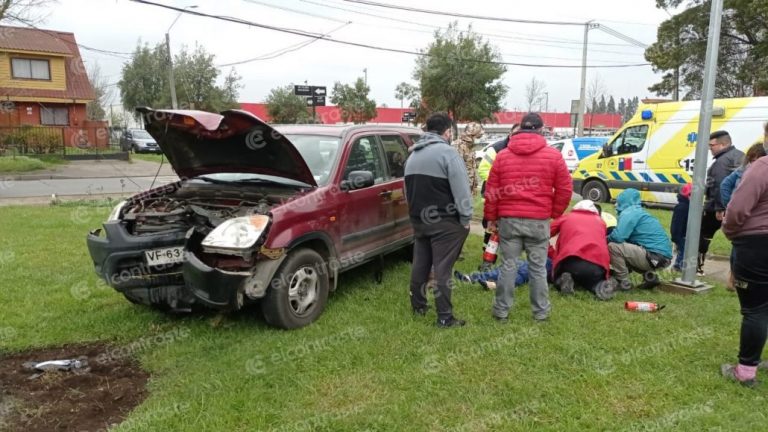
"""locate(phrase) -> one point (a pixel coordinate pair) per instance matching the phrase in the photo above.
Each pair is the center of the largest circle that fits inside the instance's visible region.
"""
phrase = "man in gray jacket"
(440, 208)
(727, 159)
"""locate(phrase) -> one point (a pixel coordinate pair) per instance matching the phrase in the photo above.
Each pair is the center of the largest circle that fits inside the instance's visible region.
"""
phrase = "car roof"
(341, 130)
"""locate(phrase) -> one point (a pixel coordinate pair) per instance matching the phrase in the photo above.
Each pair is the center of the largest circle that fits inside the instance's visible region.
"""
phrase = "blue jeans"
(680, 254)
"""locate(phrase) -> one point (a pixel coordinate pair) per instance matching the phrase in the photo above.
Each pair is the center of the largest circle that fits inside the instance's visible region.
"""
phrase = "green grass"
(20, 164)
(368, 364)
(151, 157)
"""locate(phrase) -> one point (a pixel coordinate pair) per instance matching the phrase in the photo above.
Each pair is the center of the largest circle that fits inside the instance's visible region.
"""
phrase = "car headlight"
(236, 235)
(115, 213)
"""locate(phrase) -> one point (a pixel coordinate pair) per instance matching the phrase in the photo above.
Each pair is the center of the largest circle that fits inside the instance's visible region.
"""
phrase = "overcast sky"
(117, 25)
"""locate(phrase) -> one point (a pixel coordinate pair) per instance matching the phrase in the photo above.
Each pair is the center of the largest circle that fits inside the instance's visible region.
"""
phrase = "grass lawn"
(23, 163)
(152, 157)
(368, 364)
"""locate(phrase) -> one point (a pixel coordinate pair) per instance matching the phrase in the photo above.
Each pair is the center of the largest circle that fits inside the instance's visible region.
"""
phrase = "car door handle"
(385, 193)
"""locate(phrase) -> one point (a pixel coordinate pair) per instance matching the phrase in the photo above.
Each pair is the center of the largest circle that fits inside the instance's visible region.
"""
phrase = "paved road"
(86, 186)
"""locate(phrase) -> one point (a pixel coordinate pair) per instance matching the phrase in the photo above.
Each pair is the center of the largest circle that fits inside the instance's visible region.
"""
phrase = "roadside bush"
(31, 140)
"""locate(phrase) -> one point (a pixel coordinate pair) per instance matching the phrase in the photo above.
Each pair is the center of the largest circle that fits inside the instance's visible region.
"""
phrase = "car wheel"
(595, 191)
(298, 292)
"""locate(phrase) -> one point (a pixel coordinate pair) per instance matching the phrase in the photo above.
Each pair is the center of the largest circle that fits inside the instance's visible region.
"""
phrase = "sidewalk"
(95, 169)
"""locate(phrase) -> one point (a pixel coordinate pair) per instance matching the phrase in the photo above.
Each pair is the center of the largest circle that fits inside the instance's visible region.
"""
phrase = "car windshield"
(140, 134)
(319, 152)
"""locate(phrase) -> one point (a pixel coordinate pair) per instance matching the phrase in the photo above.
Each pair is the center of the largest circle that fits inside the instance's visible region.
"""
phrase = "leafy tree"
(534, 93)
(611, 109)
(285, 107)
(353, 101)
(102, 91)
(622, 108)
(405, 91)
(459, 73)
(742, 68)
(145, 81)
(603, 106)
(595, 107)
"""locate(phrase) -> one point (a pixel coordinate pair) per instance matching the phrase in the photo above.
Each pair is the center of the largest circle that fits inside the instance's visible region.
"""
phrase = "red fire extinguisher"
(489, 255)
(642, 306)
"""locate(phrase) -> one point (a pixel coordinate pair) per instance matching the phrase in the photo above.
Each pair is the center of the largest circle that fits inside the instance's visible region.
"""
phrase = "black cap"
(531, 121)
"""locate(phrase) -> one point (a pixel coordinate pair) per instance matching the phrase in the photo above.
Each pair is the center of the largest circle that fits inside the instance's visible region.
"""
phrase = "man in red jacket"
(581, 252)
(528, 185)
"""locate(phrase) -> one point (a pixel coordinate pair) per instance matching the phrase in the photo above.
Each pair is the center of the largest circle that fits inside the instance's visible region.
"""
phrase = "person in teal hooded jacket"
(639, 243)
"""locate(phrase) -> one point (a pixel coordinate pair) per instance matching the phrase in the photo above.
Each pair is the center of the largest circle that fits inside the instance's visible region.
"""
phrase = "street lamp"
(171, 82)
(546, 103)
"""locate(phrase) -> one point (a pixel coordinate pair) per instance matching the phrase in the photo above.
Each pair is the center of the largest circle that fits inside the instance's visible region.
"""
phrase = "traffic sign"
(302, 90)
(408, 116)
(319, 100)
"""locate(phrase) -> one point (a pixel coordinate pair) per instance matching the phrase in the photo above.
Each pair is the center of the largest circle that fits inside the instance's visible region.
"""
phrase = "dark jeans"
(750, 270)
(680, 254)
(436, 245)
(585, 274)
(709, 226)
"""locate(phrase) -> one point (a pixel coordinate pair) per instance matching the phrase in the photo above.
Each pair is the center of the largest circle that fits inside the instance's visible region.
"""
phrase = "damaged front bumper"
(118, 258)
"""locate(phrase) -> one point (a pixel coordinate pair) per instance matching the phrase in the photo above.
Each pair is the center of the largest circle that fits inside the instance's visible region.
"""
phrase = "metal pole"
(702, 146)
(546, 104)
(580, 120)
(171, 82)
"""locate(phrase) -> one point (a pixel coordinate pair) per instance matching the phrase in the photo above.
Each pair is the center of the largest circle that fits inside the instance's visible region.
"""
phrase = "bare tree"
(534, 93)
(23, 11)
(102, 92)
(595, 90)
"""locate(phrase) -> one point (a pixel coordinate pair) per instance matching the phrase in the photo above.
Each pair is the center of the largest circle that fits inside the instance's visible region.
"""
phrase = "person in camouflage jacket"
(464, 144)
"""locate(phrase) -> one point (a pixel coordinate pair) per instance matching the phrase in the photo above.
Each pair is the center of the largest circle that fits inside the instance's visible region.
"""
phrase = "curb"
(46, 200)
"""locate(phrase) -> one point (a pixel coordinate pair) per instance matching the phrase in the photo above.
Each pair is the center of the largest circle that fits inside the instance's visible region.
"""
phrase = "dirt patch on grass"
(91, 400)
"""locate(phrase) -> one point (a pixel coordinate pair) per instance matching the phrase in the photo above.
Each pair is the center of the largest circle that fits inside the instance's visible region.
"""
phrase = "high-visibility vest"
(484, 169)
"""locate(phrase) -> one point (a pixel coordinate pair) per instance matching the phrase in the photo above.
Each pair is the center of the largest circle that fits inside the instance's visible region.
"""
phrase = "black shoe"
(421, 311)
(650, 281)
(565, 283)
(604, 290)
(500, 319)
(451, 322)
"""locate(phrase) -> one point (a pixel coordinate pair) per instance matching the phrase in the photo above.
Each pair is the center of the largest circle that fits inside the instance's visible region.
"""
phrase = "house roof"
(48, 42)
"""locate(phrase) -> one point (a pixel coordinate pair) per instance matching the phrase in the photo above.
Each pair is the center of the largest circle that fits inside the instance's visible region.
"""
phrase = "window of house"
(54, 116)
(31, 69)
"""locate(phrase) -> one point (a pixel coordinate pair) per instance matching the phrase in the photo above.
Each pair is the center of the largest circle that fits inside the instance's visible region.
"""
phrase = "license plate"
(164, 256)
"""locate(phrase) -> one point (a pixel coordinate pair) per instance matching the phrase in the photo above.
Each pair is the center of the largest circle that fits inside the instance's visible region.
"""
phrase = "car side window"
(365, 156)
(395, 153)
(632, 140)
(414, 138)
(558, 145)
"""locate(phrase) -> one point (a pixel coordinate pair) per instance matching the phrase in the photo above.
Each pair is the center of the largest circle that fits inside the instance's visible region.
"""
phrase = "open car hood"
(199, 142)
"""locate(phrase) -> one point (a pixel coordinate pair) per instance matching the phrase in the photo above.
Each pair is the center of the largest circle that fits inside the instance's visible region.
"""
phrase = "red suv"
(260, 213)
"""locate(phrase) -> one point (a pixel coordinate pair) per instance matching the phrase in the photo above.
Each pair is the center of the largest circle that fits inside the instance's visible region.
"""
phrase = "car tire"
(298, 292)
(596, 191)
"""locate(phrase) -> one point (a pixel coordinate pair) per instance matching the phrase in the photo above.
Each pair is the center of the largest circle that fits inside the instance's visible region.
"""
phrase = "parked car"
(138, 141)
(259, 214)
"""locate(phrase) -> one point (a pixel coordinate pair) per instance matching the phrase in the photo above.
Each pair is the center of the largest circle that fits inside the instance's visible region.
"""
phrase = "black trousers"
(436, 245)
(709, 226)
(750, 270)
(585, 274)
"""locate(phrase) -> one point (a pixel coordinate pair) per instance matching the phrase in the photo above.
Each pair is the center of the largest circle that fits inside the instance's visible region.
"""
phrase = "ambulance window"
(632, 140)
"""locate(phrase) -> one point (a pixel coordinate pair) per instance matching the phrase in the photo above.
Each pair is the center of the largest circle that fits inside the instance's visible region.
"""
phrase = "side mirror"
(357, 180)
(607, 150)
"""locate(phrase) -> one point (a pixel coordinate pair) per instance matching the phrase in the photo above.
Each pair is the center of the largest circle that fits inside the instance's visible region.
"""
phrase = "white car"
(575, 149)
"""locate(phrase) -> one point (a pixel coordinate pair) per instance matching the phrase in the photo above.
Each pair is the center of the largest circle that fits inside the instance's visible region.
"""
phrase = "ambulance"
(654, 151)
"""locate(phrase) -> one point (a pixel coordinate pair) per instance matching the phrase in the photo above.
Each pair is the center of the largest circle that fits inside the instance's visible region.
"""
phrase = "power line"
(459, 15)
(362, 45)
(282, 51)
(55, 35)
(494, 36)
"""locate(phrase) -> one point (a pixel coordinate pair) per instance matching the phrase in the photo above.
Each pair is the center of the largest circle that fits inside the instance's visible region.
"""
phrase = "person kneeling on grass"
(639, 243)
(488, 278)
(581, 252)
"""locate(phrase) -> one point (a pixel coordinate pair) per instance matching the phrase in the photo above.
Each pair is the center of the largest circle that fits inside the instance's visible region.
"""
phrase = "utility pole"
(171, 81)
(582, 95)
(546, 103)
(702, 146)
(365, 71)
